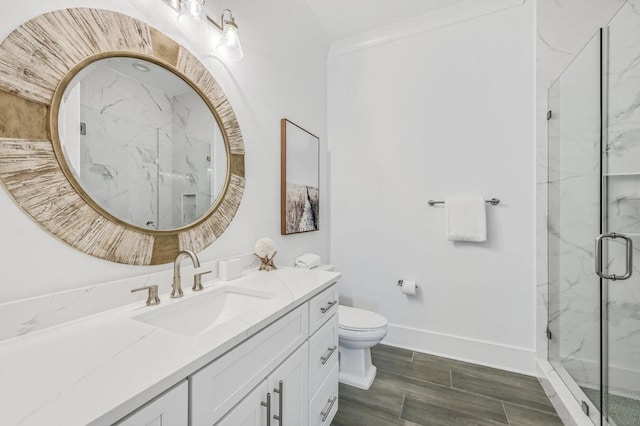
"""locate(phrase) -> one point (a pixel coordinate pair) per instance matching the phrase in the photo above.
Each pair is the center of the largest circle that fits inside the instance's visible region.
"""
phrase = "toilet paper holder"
(401, 281)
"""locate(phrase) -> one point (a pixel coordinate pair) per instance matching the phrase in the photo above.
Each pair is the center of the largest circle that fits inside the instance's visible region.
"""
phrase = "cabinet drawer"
(322, 307)
(216, 388)
(323, 353)
(170, 408)
(324, 405)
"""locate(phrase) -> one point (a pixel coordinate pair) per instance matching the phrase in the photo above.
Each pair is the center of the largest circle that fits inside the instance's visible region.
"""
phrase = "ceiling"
(345, 18)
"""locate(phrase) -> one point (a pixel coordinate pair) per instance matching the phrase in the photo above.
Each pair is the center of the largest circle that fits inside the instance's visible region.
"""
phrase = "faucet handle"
(152, 298)
(197, 280)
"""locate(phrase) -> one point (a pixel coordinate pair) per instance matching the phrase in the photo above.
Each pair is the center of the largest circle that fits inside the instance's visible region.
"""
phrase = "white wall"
(283, 74)
(442, 113)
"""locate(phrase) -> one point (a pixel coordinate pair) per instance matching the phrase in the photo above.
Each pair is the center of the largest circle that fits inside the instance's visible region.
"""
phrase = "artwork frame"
(300, 179)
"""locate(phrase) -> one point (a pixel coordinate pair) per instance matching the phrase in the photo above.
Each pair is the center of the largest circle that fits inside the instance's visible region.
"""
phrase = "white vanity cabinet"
(285, 375)
(292, 364)
(219, 386)
(170, 408)
(281, 399)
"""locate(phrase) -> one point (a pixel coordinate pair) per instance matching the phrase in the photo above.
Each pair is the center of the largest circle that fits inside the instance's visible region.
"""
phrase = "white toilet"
(358, 331)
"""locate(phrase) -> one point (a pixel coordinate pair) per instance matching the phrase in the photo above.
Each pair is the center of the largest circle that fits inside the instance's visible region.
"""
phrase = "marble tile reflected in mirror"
(142, 143)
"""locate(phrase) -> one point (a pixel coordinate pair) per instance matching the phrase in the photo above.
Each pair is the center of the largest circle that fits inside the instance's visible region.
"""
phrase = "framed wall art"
(300, 174)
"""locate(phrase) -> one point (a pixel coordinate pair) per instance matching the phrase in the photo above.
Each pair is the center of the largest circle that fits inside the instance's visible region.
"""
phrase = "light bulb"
(229, 48)
(191, 9)
(192, 17)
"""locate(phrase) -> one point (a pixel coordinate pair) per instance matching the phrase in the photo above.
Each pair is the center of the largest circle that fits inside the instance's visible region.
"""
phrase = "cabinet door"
(219, 386)
(169, 409)
(250, 411)
(289, 387)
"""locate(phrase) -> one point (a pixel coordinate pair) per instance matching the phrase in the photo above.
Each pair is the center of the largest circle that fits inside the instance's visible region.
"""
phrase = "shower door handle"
(628, 256)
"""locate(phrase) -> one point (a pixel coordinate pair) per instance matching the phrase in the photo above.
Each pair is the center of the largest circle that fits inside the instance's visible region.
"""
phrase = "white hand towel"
(466, 219)
(308, 261)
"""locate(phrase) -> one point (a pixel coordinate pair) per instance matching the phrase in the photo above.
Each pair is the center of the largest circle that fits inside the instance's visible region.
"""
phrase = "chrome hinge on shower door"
(628, 256)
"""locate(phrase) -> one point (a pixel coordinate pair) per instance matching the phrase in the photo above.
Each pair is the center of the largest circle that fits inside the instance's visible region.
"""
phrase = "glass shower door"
(594, 192)
(621, 182)
(574, 129)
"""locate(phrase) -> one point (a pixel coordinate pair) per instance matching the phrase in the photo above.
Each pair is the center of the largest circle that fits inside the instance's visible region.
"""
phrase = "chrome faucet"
(176, 287)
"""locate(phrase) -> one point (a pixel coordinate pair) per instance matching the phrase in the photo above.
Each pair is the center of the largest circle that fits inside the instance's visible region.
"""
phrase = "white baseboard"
(510, 358)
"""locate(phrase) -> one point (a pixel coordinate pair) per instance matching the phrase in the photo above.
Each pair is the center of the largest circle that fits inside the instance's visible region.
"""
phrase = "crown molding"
(461, 12)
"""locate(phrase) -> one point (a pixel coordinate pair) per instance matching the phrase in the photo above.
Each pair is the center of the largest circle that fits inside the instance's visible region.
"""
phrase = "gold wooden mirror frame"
(36, 62)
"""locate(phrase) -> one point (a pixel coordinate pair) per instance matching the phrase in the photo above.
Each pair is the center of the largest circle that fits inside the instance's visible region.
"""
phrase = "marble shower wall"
(192, 158)
(623, 186)
(125, 121)
(564, 28)
(623, 145)
(146, 153)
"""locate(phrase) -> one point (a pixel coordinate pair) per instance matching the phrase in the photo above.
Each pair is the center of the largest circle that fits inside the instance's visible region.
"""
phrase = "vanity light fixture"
(229, 47)
(192, 15)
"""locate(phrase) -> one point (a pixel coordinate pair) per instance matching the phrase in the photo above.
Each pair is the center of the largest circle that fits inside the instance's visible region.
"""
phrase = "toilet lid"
(359, 319)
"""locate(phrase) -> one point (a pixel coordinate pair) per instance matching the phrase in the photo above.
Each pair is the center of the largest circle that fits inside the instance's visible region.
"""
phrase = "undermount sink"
(205, 311)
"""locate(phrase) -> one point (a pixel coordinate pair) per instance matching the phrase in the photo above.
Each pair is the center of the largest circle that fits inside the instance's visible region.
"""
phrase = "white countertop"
(98, 369)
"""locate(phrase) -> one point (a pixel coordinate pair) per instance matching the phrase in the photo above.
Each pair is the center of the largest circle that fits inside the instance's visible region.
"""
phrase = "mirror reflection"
(142, 143)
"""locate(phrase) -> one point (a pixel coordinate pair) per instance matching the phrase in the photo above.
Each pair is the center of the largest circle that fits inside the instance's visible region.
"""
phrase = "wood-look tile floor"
(412, 388)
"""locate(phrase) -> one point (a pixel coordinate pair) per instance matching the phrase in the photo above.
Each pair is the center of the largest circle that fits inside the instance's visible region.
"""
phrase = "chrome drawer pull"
(325, 413)
(268, 405)
(280, 391)
(324, 358)
(329, 306)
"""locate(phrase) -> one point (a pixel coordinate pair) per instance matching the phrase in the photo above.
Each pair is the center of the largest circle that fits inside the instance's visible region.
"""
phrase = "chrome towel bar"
(493, 202)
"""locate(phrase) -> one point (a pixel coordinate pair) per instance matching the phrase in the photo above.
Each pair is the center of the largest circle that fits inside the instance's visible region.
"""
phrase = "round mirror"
(142, 143)
(122, 143)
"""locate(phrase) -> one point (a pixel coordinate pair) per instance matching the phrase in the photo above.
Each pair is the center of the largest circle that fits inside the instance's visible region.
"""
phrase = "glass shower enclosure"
(594, 223)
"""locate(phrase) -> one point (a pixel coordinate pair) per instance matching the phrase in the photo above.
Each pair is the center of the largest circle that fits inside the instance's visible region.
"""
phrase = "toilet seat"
(360, 320)
(369, 334)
